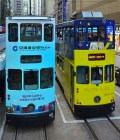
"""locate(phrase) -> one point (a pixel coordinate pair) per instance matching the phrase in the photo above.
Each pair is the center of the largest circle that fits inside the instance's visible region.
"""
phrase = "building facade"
(16, 7)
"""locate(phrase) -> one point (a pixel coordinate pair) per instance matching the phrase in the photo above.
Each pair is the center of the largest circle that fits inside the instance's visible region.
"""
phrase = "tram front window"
(30, 80)
(96, 75)
(30, 32)
(82, 75)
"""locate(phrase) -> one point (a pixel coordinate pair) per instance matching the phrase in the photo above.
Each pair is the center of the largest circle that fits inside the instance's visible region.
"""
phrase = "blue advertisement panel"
(64, 10)
(30, 67)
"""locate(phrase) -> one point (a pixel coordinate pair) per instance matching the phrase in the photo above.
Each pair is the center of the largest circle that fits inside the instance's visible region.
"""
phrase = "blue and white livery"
(30, 70)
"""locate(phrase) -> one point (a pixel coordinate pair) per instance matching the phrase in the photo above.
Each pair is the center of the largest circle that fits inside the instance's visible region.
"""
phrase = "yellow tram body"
(85, 63)
(83, 95)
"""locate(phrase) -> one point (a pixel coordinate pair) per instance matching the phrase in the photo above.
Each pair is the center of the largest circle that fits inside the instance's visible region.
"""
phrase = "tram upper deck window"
(14, 79)
(81, 33)
(30, 32)
(31, 80)
(48, 32)
(46, 78)
(96, 75)
(96, 33)
(82, 75)
(12, 32)
(67, 35)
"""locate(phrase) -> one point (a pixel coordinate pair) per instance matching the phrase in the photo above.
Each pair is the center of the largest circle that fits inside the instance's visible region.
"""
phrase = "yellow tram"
(85, 63)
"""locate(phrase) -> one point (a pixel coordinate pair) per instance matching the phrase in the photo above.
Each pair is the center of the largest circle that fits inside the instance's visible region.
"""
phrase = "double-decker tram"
(85, 63)
(30, 70)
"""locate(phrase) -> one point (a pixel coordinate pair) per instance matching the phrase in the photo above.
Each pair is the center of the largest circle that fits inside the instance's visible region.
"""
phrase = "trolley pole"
(30, 8)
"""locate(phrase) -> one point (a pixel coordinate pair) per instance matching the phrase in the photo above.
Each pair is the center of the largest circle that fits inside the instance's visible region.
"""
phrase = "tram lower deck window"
(46, 78)
(96, 75)
(82, 75)
(14, 79)
(30, 79)
(109, 73)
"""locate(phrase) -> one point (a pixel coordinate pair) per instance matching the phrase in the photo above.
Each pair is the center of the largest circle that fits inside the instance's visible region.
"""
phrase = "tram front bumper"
(30, 120)
(97, 110)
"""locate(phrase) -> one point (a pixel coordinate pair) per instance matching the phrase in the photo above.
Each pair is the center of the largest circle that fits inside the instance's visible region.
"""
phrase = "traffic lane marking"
(82, 121)
(2, 128)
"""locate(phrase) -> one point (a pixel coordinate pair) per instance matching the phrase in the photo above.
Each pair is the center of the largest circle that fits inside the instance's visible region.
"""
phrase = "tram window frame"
(110, 33)
(82, 74)
(72, 35)
(27, 59)
(61, 63)
(46, 78)
(31, 79)
(67, 34)
(14, 79)
(30, 32)
(61, 34)
(109, 73)
(58, 60)
(95, 30)
(64, 33)
(12, 34)
(98, 72)
(81, 32)
(48, 35)
(58, 33)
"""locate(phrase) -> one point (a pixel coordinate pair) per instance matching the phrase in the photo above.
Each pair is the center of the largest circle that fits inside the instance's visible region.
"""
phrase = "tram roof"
(89, 15)
(20, 17)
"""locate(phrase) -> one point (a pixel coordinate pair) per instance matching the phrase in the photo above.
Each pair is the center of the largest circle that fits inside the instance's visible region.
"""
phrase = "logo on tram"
(15, 48)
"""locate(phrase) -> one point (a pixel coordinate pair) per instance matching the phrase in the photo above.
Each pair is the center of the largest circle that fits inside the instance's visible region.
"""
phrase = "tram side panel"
(30, 78)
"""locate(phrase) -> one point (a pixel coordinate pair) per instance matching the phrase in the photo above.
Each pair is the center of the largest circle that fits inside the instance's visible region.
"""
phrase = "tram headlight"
(31, 107)
(97, 99)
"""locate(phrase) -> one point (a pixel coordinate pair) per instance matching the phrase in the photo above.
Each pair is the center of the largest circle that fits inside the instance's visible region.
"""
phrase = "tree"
(4, 12)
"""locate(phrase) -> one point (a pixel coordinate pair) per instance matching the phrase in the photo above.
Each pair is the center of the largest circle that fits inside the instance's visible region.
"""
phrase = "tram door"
(71, 85)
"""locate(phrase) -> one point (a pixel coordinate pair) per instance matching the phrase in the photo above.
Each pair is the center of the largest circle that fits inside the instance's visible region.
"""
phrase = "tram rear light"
(79, 103)
(8, 96)
(77, 90)
(112, 100)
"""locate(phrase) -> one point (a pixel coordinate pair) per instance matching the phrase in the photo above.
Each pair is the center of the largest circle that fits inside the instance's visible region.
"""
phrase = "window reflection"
(48, 32)
(12, 32)
(14, 79)
(82, 74)
(109, 73)
(96, 75)
(46, 78)
(30, 32)
(30, 80)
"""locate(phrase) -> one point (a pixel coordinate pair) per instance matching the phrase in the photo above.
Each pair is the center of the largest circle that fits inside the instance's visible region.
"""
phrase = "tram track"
(26, 133)
(93, 132)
